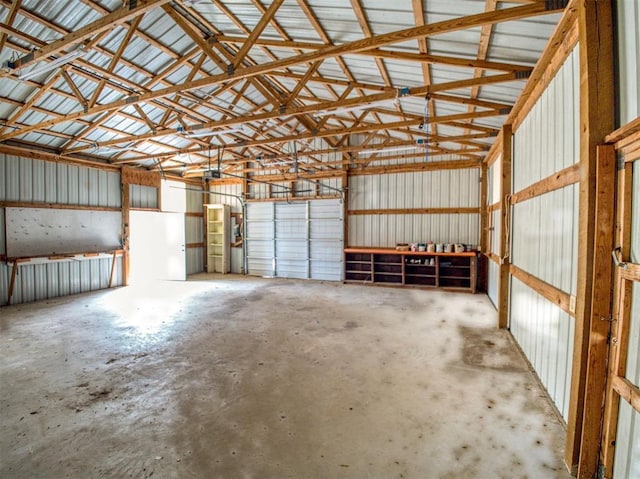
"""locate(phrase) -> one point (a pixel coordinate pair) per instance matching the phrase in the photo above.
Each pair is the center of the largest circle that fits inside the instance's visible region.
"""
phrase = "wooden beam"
(120, 15)
(484, 211)
(599, 330)
(255, 33)
(561, 179)
(503, 15)
(11, 15)
(628, 391)
(416, 211)
(544, 289)
(411, 167)
(504, 248)
(595, 20)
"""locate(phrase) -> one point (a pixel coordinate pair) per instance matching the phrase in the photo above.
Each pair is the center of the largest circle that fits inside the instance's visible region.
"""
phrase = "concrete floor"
(231, 377)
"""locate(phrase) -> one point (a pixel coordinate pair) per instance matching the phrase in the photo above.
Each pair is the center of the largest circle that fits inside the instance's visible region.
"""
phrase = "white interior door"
(157, 246)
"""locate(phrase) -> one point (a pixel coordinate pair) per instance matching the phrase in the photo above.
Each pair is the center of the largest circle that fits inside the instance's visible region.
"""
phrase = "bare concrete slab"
(232, 377)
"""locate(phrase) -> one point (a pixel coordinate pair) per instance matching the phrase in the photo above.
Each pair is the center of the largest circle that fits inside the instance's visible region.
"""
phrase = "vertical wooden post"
(505, 210)
(126, 205)
(599, 325)
(12, 284)
(113, 269)
(596, 121)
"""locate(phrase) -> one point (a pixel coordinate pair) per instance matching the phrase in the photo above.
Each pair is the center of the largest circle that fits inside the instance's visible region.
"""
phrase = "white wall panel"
(387, 230)
(143, 196)
(492, 281)
(228, 195)
(493, 181)
(429, 189)
(628, 19)
(548, 139)
(27, 180)
(545, 334)
(3, 245)
(195, 260)
(627, 457)
(544, 231)
(433, 189)
(195, 199)
(35, 282)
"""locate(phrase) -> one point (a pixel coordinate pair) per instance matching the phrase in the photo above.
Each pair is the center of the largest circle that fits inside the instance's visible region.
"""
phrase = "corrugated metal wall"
(430, 189)
(493, 197)
(194, 226)
(143, 196)
(544, 230)
(27, 180)
(628, 18)
(545, 334)
(36, 181)
(627, 456)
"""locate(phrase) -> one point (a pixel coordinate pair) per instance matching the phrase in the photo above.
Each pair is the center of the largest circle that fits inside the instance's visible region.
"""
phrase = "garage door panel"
(298, 240)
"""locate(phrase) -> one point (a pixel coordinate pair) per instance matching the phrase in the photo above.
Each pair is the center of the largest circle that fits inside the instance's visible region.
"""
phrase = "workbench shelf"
(379, 266)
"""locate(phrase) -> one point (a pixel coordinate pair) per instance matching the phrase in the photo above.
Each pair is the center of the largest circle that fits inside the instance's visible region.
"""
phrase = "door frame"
(626, 273)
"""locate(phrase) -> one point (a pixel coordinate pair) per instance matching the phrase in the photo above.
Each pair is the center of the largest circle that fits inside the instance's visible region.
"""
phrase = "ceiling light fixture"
(392, 149)
(79, 52)
(200, 134)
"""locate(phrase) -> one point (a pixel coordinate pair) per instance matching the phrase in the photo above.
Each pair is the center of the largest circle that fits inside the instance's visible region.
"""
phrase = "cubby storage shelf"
(388, 267)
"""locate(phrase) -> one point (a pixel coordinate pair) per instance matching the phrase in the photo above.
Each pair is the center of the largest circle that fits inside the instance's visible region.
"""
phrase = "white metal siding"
(492, 282)
(143, 196)
(434, 189)
(544, 231)
(493, 181)
(31, 181)
(35, 282)
(548, 139)
(627, 457)
(27, 180)
(628, 20)
(545, 334)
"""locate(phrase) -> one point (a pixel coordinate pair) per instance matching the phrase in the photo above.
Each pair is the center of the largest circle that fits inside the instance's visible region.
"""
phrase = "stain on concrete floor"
(230, 377)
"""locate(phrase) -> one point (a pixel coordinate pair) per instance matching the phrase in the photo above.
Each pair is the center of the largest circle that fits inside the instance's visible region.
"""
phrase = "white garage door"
(295, 240)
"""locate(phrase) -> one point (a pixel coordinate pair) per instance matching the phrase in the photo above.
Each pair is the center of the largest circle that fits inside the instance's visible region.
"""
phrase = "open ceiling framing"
(166, 84)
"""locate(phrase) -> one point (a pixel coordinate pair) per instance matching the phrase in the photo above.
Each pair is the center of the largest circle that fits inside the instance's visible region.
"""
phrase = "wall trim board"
(51, 157)
(413, 167)
(293, 199)
(494, 207)
(544, 289)
(623, 132)
(194, 215)
(195, 245)
(558, 180)
(414, 211)
(628, 391)
(55, 206)
(558, 48)
(137, 176)
(493, 257)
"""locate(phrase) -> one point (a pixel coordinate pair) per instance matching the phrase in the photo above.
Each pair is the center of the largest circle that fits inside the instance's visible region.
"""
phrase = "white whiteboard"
(45, 231)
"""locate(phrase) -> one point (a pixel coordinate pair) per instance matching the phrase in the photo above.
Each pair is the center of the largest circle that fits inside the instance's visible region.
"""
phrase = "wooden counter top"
(412, 253)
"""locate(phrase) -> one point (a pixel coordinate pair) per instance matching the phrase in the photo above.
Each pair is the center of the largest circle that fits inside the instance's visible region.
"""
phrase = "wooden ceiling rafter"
(330, 51)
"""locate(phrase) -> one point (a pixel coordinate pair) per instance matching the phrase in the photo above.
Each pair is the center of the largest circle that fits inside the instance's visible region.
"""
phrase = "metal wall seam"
(545, 334)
